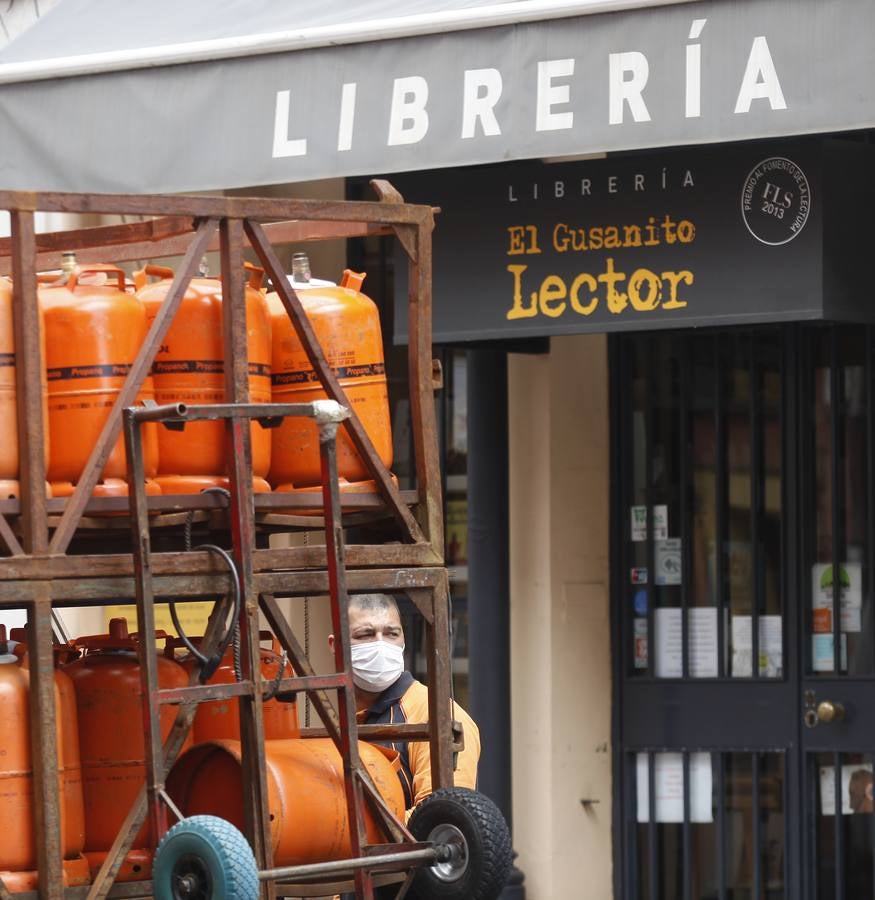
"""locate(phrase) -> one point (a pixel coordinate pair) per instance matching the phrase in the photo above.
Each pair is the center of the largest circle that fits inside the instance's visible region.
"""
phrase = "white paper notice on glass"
(660, 522)
(668, 636)
(668, 781)
(701, 635)
(639, 523)
(771, 656)
(856, 789)
(822, 657)
(667, 561)
(852, 619)
(851, 594)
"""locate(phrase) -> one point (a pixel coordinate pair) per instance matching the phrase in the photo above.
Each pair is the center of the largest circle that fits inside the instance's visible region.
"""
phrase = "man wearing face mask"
(386, 694)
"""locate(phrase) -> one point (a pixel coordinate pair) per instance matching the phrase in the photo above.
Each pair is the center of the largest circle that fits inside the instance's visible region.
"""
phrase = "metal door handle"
(830, 711)
(825, 711)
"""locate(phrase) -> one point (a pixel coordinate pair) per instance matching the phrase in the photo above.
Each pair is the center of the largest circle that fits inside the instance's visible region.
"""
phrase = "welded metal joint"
(329, 412)
(328, 415)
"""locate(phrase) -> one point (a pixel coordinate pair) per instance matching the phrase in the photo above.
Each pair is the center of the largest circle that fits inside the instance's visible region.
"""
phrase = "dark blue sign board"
(726, 235)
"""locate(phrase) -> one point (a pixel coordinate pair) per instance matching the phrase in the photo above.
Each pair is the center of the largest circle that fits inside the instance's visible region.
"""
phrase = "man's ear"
(330, 641)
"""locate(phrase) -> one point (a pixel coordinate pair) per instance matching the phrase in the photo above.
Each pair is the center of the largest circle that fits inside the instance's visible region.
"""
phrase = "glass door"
(743, 561)
(708, 695)
(838, 643)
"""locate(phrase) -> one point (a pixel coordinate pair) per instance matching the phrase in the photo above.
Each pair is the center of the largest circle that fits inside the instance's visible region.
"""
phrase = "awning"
(182, 95)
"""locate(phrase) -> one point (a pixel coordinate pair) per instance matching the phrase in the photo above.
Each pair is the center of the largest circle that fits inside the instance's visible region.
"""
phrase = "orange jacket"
(406, 701)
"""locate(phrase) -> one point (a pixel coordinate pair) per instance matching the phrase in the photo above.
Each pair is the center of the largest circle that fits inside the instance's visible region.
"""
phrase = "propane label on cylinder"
(102, 370)
(57, 406)
(215, 396)
(199, 366)
(365, 370)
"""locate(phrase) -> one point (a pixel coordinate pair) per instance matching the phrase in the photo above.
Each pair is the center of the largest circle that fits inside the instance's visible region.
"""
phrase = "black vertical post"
(687, 855)
(757, 827)
(721, 825)
(650, 363)
(653, 891)
(624, 839)
(684, 350)
(838, 823)
(870, 512)
(488, 578)
(837, 496)
(721, 505)
(757, 503)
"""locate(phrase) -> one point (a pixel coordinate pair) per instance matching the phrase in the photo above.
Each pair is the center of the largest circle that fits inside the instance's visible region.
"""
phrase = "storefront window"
(843, 857)
(839, 447)
(705, 501)
(772, 436)
(726, 809)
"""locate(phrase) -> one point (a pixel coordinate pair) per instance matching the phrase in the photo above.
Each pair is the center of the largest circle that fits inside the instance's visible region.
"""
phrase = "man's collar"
(391, 695)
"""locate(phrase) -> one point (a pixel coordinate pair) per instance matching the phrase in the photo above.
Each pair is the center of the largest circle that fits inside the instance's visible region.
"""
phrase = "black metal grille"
(760, 445)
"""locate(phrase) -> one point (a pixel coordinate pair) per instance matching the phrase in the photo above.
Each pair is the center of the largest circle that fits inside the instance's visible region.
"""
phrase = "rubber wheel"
(475, 828)
(204, 858)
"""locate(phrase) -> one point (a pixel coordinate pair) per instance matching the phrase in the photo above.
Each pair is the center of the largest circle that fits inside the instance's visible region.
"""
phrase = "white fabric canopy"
(176, 95)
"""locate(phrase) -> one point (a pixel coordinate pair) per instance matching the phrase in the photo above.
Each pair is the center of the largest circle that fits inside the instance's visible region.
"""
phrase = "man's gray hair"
(372, 602)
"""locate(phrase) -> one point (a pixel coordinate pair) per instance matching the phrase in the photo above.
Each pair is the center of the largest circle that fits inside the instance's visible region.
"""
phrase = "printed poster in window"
(668, 772)
(769, 650)
(660, 522)
(639, 523)
(639, 636)
(823, 585)
(667, 561)
(701, 641)
(855, 790)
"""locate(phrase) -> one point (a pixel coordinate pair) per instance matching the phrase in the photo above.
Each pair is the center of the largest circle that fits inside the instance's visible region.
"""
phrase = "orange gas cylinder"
(8, 409)
(315, 490)
(347, 326)
(68, 750)
(220, 719)
(111, 742)
(17, 643)
(189, 368)
(305, 793)
(18, 857)
(108, 487)
(94, 329)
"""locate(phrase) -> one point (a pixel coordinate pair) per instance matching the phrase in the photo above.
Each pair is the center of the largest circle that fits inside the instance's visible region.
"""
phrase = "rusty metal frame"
(298, 220)
(341, 723)
(38, 532)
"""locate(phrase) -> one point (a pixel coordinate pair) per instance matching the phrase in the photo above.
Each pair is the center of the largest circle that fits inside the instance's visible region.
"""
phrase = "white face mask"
(376, 665)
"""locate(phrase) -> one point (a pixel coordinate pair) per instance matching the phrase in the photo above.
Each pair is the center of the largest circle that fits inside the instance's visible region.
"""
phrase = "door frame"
(731, 689)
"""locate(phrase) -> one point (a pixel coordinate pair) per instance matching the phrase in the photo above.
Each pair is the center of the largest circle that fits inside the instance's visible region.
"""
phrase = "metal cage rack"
(46, 566)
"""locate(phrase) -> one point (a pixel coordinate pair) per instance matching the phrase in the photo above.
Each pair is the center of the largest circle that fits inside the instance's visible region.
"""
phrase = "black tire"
(204, 858)
(475, 825)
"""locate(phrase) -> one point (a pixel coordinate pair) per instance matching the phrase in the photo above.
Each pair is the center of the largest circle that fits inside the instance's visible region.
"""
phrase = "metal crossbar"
(358, 788)
(41, 571)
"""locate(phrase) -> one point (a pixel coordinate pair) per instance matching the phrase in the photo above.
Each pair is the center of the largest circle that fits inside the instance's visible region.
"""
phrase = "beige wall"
(319, 611)
(560, 635)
